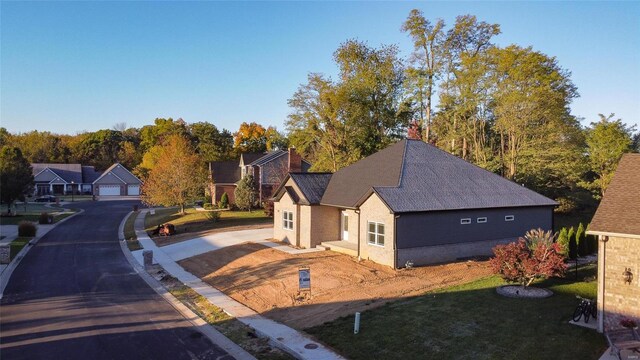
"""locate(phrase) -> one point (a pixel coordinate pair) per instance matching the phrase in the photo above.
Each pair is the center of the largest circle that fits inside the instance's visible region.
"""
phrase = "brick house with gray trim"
(410, 202)
(268, 170)
(617, 225)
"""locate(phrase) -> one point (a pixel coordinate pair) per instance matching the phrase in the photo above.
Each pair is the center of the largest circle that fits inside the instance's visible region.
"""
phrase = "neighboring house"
(617, 225)
(61, 179)
(410, 202)
(117, 181)
(267, 169)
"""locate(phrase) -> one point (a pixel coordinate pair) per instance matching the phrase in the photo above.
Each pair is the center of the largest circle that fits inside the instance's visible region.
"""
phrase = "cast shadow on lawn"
(470, 321)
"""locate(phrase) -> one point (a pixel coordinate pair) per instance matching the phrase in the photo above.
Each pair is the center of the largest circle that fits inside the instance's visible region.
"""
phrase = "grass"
(194, 221)
(32, 211)
(471, 321)
(130, 233)
(239, 333)
(18, 244)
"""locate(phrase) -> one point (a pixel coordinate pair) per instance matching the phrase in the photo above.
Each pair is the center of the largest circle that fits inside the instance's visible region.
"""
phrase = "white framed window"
(465, 221)
(287, 220)
(376, 233)
(509, 218)
(481, 220)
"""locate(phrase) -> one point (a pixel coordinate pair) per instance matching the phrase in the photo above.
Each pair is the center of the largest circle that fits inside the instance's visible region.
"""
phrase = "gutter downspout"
(602, 278)
(395, 239)
(357, 211)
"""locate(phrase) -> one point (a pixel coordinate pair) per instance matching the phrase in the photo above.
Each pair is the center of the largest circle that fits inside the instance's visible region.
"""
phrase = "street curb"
(6, 273)
(202, 326)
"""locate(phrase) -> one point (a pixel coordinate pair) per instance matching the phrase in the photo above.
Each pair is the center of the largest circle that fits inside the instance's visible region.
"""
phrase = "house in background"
(267, 169)
(617, 225)
(61, 179)
(117, 181)
(410, 202)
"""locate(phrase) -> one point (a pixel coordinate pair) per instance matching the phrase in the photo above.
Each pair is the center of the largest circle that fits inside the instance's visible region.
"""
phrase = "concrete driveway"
(201, 245)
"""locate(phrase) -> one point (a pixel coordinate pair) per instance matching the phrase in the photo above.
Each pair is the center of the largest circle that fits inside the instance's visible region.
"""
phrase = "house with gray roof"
(410, 202)
(117, 181)
(61, 179)
(617, 226)
(268, 170)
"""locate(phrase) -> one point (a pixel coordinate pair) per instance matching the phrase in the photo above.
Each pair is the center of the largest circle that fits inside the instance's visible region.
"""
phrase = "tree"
(100, 148)
(246, 193)
(275, 139)
(606, 141)
(251, 137)
(152, 135)
(16, 176)
(534, 257)
(178, 176)
(573, 244)
(581, 240)
(426, 63)
(224, 201)
(563, 241)
(211, 144)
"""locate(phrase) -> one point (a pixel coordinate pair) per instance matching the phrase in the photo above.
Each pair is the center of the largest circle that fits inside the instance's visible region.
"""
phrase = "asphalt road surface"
(75, 296)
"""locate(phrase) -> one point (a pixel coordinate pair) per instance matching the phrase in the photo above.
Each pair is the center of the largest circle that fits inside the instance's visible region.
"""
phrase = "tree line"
(505, 109)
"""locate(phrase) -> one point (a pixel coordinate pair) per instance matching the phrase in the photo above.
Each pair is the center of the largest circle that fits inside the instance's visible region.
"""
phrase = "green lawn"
(194, 221)
(18, 244)
(32, 213)
(471, 321)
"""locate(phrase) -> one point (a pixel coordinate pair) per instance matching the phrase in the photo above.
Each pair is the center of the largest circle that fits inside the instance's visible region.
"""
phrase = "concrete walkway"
(282, 336)
(204, 244)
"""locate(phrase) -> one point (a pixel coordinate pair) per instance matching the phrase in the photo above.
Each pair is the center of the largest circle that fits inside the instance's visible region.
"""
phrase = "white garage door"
(106, 190)
(134, 190)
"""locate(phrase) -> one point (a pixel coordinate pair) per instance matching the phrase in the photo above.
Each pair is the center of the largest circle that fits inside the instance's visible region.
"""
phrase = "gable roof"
(413, 176)
(619, 210)
(67, 172)
(224, 172)
(248, 158)
(312, 185)
(118, 171)
(268, 157)
(349, 184)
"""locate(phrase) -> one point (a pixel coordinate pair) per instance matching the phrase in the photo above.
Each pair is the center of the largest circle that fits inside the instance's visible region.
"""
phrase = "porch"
(341, 246)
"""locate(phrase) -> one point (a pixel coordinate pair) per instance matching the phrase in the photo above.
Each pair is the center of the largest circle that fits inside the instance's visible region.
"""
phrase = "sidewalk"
(282, 336)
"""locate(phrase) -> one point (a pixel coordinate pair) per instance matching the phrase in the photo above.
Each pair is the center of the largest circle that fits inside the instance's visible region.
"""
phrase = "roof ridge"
(404, 157)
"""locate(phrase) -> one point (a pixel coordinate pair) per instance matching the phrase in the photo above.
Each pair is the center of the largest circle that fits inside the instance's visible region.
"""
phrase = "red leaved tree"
(536, 256)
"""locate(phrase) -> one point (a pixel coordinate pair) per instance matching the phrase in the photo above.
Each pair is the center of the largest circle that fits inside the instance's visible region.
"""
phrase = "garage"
(133, 190)
(109, 190)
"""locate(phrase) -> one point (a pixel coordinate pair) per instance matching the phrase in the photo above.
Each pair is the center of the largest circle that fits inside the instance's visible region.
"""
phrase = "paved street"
(75, 296)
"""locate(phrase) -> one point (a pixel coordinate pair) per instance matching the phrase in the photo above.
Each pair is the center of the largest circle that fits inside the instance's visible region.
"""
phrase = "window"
(509, 218)
(376, 233)
(287, 220)
(481, 220)
(465, 221)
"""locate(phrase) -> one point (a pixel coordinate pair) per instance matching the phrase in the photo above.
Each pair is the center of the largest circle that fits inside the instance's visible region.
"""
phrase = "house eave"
(613, 234)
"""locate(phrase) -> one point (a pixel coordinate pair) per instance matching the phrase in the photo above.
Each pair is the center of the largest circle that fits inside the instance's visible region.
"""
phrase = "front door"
(344, 225)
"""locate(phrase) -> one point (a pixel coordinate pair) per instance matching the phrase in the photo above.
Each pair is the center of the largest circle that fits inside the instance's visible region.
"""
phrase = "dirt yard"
(266, 280)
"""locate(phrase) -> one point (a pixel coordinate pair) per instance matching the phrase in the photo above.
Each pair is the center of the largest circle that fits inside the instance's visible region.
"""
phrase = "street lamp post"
(72, 192)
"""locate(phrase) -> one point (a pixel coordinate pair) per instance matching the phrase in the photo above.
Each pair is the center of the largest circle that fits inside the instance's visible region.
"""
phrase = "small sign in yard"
(304, 277)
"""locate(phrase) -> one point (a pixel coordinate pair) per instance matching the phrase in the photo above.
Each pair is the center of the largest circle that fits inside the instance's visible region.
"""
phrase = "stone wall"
(615, 297)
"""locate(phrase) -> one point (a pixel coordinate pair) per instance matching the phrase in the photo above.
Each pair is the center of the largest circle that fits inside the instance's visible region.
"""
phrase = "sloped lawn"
(471, 321)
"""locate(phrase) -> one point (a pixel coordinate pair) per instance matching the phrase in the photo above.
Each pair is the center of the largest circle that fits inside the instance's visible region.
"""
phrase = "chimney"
(295, 161)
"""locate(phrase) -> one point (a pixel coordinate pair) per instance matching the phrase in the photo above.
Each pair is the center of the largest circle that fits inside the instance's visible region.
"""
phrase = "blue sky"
(67, 67)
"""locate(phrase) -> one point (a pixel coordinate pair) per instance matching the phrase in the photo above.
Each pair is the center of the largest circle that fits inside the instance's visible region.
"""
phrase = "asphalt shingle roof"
(619, 210)
(68, 172)
(312, 185)
(225, 172)
(413, 176)
(268, 157)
